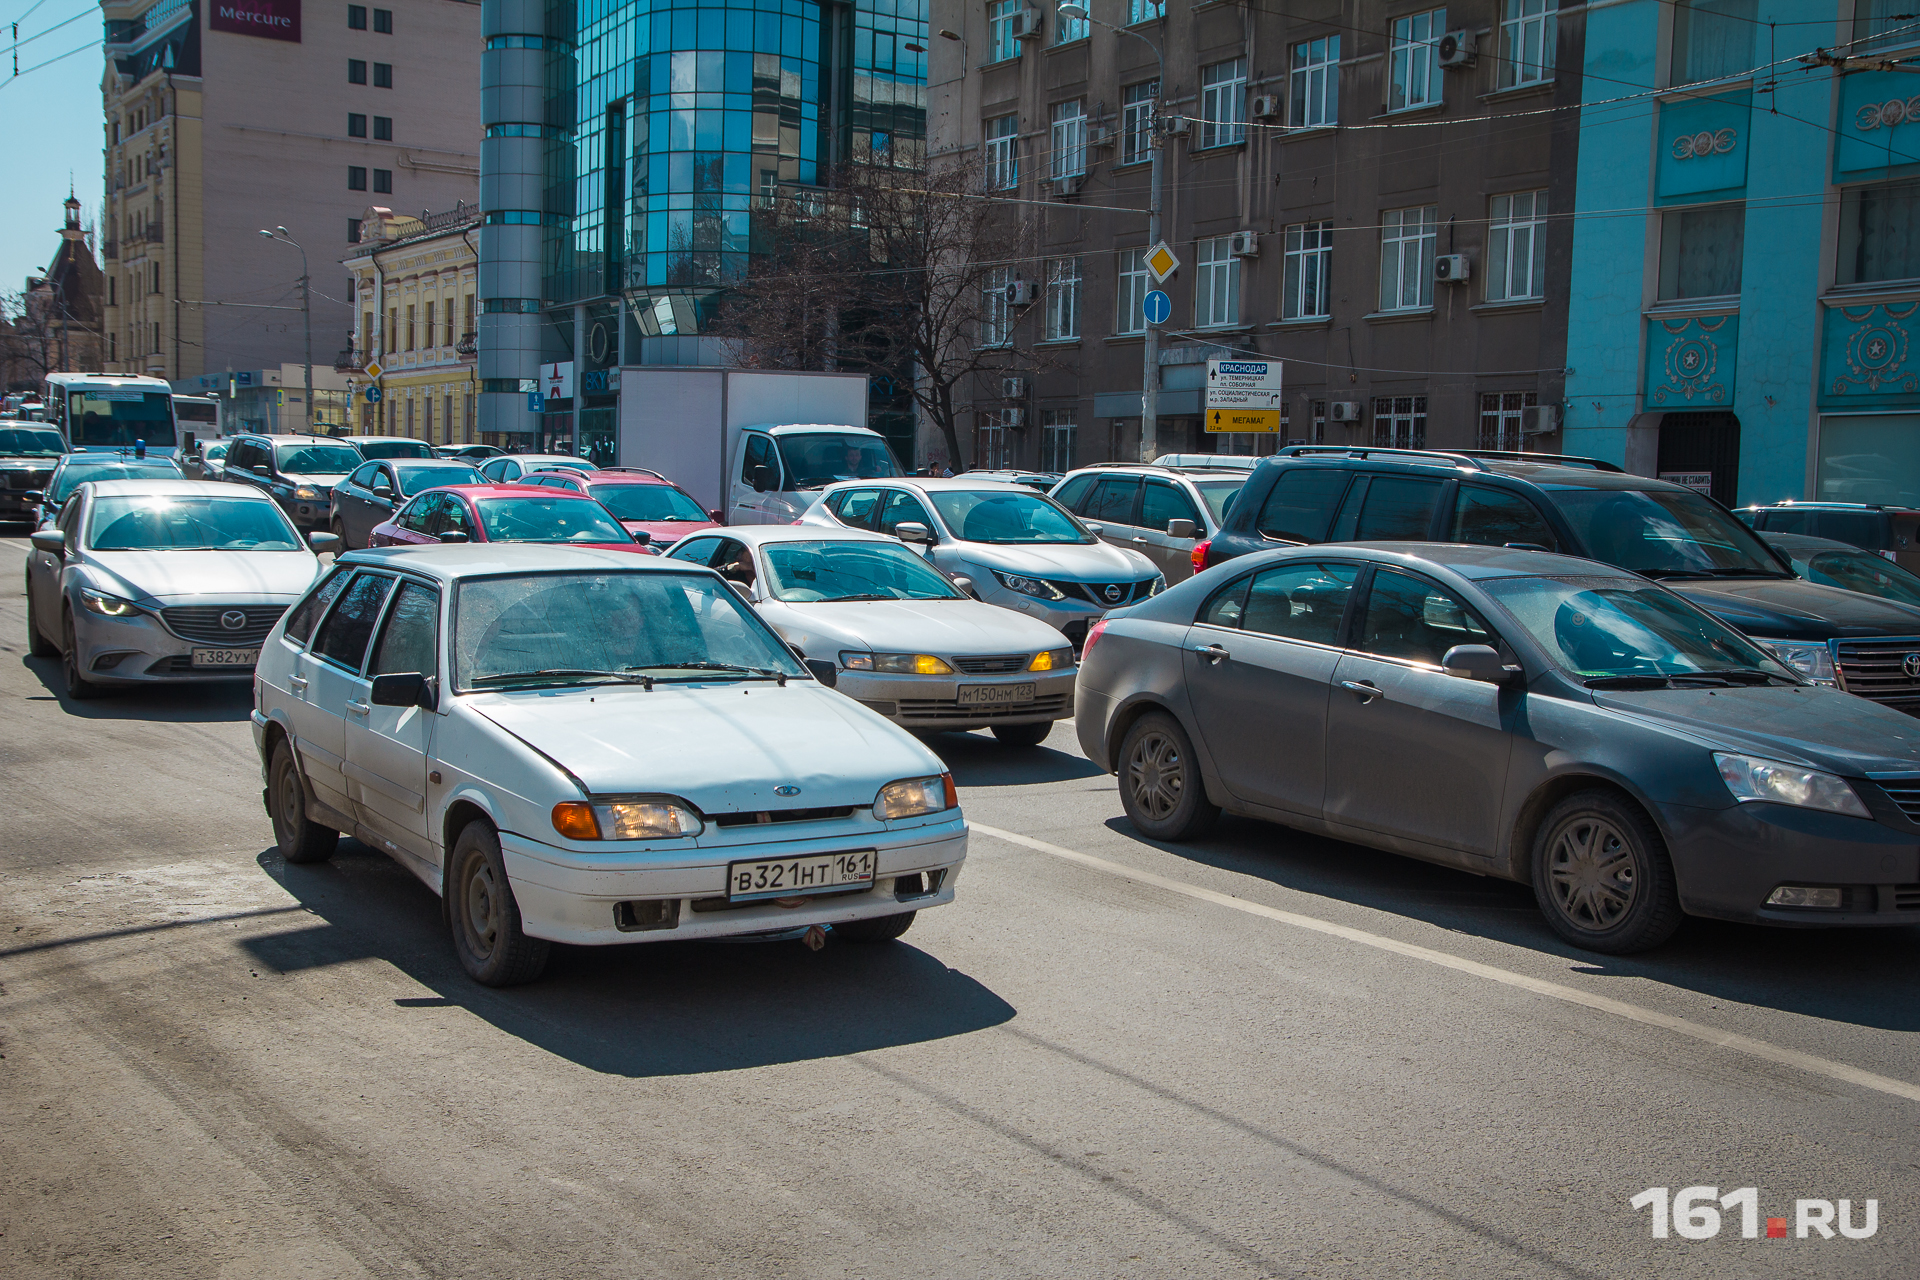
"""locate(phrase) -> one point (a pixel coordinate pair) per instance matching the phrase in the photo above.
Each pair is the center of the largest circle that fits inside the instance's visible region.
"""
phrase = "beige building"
(223, 117)
(415, 284)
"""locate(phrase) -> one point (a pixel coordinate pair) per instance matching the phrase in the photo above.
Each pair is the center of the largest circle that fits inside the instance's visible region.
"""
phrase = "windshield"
(1218, 495)
(371, 449)
(316, 459)
(571, 628)
(195, 411)
(548, 520)
(118, 418)
(1664, 532)
(807, 572)
(1860, 571)
(215, 452)
(78, 471)
(1607, 626)
(25, 442)
(647, 502)
(414, 479)
(823, 457)
(996, 515)
(172, 522)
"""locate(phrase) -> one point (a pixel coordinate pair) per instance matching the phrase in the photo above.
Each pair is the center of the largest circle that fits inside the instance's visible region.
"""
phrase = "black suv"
(298, 472)
(28, 453)
(1582, 507)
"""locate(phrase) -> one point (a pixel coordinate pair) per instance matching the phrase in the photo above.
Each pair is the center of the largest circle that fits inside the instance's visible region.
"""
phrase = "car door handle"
(1367, 690)
(1213, 653)
(358, 707)
(297, 683)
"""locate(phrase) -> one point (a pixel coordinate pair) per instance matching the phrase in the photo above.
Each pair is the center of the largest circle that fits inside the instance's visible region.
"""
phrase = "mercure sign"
(273, 19)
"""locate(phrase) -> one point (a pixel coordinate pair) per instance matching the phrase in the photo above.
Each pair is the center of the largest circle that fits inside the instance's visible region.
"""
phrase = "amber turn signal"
(575, 820)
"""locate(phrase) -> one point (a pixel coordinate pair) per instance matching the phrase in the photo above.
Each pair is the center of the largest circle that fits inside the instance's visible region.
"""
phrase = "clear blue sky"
(49, 128)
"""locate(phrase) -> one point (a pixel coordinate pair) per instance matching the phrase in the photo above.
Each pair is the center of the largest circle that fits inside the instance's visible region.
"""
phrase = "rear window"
(1398, 509)
(1867, 529)
(1301, 504)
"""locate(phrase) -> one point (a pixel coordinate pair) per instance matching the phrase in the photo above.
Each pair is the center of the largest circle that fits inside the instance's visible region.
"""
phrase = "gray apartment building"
(1374, 193)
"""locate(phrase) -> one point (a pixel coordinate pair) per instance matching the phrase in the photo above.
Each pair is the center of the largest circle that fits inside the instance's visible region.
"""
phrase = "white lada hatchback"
(573, 745)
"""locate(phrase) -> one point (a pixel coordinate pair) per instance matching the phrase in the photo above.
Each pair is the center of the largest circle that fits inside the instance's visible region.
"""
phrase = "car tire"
(484, 919)
(299, 839)
(1023, 735)
(875, 928)
(1602, 876)
(37, 643)
(340, 531)
(79, 688)
(1160, 784)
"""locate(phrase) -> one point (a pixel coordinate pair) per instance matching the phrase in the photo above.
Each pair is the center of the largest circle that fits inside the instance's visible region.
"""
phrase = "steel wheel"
(1590, 868)
(1156, 771)
(1602, 876)
(483, 916)
(1160, 787)
(299, 839)
(481, 906)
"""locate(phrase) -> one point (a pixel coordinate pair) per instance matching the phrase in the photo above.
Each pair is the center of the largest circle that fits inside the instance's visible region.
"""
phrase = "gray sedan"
(1517, 714)
(369, 496)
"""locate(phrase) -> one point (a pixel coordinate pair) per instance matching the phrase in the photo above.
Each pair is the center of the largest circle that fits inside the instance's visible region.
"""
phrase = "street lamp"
(1150, 356)
(306, 311)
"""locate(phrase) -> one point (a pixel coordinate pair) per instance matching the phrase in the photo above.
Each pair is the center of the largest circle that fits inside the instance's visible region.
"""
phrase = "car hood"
(1793, 609)
(667, 532)
(316, 482)
(176, 577)
(1810, 725)
(909, 626)
(1073, 562)
(723, 747)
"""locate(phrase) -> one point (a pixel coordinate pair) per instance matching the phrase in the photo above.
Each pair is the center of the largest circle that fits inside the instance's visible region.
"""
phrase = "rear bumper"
(1729, 860)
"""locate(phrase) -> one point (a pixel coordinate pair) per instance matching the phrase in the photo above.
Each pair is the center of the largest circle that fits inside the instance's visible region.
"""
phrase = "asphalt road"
(1263, 1054)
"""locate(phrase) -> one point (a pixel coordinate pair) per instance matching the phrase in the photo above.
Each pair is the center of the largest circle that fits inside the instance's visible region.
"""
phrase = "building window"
(1880, 233)
(410, 314)
(1400, 422)
(1527, 29)
(1500, 418)
(996, 316)
(1058, 434)
(1003, 24)
(1517, 247)
(1407, 238)
(991, 450)
(357, 17)
(1317, 413)
(1130, 292)
(1700, 251)
(1136, 121)
(353, 231)
(1216, 286)
(392, 334)
(1309, 260)
(383, 181)
(383, 75)
(383, 21)
(1223, 103)
(1003, 153)
(356, 71)
(156, 284)
(383, 128)
(1147, 10)
(1063, 299)
(1883, 24)
(1066, 30)
(1315, 83)
(429, 331)
(1712, 39)
(112, 292)
(356, 177)
(1414, 60)
(356, 125)
(1069, 138)
(409, 414)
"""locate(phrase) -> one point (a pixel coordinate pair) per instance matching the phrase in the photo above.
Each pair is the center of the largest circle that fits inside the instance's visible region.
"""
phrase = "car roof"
(1469, 560)
(794, 428)
(418, 462)
(761, 534)
(118, 460)
(289, 437)
(937, 484)
(1545, 474)
(1806, 542)
(1798, 504)
(205, 488)
(543, 457)
(506, 489)
(450, 562)
(626, 476)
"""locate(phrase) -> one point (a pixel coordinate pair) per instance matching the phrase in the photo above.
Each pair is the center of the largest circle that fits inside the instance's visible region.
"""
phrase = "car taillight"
(1093, 633)
(1199, 554)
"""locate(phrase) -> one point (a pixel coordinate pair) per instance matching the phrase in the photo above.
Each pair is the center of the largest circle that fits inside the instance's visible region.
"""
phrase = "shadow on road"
(173, 703)
(664, 1008)
(1860, 976)
(978, 760)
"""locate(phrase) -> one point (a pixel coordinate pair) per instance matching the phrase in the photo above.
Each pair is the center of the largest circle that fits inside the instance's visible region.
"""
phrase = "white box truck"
(753, 447)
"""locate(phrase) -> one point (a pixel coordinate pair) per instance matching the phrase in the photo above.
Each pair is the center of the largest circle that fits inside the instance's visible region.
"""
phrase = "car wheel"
(1160, 783)
(483, 915)
(299, 839)
(1602, 876)
(1023, 735)
(875, 928)
(37, 643)
(79, 688)
(340, 532)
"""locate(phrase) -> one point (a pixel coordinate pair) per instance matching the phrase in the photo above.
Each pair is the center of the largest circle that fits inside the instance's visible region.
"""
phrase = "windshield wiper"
(871, 595)
(565, 673)
(1726, 677)
(1734, 675)
(1629, 682)
(751, 673)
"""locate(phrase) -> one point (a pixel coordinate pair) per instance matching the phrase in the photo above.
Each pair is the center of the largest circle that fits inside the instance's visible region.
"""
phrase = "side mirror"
(642, 537)
(403, 689)
(1180, 529)
(455, 535)
(912, 531)
(324, 541)
(51, 541)
(823, 671)
(35, 495)
(966, 585)
(1095, 529)
(763, 480)
(381, 489)
(746, 592)
(716, 515)
(1475, 662)
(261, 469)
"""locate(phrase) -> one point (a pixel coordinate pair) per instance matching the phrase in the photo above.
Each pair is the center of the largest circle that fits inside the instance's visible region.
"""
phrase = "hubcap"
(1590, 869)
(481, 908)
(1156, 774)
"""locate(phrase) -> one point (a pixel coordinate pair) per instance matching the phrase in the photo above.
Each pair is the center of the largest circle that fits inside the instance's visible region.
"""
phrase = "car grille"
(950, 709)
(1096, 592)
(1906, 897)
(780, 815)
(201, 624)
(1904, 792)
(1877, 669)
(997, 664)
(28, 479)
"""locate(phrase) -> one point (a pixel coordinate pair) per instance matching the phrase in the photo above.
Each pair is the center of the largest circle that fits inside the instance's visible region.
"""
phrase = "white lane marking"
(1553, 990)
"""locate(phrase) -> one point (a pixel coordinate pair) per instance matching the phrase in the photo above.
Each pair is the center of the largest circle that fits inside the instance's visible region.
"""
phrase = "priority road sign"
(1161, 262)
(1156, 307)
(374, 369)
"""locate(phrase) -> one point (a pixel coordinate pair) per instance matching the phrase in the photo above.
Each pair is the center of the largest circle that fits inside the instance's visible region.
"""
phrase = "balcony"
(350, 361)
(468, 347)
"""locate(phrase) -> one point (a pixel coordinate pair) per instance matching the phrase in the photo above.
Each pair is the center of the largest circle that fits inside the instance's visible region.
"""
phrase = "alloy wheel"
(1591, 871)
(1156, 772)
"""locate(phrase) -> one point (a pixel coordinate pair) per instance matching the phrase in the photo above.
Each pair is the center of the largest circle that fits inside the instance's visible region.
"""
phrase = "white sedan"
(585, 746)
(872, 617)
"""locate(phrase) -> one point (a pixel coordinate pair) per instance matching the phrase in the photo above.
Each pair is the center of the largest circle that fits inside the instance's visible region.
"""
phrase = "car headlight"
(1159, 584)
(1810, 658)
(911, 797)
(1751, 779)
(1052, 660)
(1038, 588)
(899, 664)
(626, 820)
(306, 491)
(105, 605)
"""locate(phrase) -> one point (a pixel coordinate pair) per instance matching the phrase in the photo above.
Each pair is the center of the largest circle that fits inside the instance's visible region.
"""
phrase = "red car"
(643, 501)
(504, 513)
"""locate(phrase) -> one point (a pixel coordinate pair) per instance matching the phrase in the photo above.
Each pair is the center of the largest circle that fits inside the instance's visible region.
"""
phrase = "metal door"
(386, 747)
(331, 671)
(1162, 501)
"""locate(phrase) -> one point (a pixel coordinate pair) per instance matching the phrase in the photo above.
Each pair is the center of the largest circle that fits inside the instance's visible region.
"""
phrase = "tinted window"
(1784, 521)
(414, 515)
(343, 636)
(1217, 495)
(1398, 509)
(1112, 502)
(1228, 607)
(1301, 503)
(449, 516)
(1655, 531)
(1494, 517)
(1867, 529)
(1409, 617)
(1162, 502)
(407, 640)
(364, 476)
(696, 550)
(856, 508)
(414, 479)
(300, 621)
(396, 449)
(317, 459)
(759, 453)
(497, 469)
(1300, 601)
(1864, 572)
(1074, 492)
(660, 502)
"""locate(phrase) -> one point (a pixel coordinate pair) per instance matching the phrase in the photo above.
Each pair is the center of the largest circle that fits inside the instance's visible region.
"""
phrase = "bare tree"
(29, 339)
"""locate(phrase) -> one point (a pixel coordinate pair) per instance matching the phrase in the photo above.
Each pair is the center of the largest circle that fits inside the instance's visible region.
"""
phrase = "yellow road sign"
(373, 369)
(1162, 262)
(1243, 420)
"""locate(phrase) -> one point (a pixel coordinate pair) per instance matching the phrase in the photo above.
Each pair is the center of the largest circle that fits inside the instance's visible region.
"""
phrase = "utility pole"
(306, 311)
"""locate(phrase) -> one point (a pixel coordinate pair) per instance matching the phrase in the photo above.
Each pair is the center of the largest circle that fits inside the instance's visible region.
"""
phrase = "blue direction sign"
(535, 402)
(373, 395)
(1156, 306)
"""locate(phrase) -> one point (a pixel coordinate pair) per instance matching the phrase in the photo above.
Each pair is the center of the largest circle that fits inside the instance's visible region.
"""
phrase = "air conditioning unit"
(1451, 268)
(1343, 411)
(1099, 136)
(1457, 49)
(1069, 185)
(1013, 388)
(1015, 418)
(1175, 126)
(1021, 293)
(1267, 106)
(1028, 24)
(1244, 244)
(1540, 420)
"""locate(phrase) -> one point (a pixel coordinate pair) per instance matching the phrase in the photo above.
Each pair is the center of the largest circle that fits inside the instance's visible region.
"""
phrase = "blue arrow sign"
(373, 395)
(1156, 306)
(535, 402)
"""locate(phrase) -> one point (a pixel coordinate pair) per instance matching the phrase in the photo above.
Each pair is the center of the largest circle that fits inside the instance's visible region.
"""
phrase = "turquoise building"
(1746, 256)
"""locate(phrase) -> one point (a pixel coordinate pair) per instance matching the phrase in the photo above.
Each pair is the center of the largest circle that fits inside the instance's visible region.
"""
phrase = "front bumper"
(140, 650)
(932, 702)
(1727, 862)
(581, 898)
